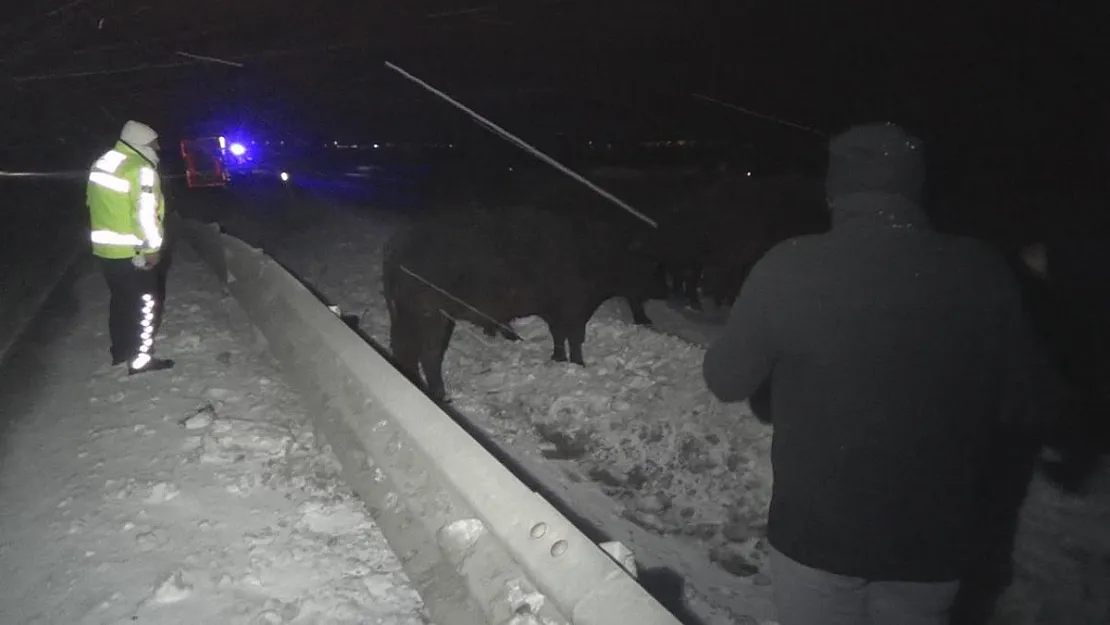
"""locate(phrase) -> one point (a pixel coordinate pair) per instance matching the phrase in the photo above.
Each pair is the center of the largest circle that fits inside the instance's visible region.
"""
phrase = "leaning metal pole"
(505, 134)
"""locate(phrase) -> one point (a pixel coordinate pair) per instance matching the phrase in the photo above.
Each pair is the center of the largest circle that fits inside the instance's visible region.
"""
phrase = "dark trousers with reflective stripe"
(133, 312)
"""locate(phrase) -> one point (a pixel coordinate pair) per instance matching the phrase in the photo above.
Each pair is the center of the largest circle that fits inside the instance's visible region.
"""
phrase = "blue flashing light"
(237, 149)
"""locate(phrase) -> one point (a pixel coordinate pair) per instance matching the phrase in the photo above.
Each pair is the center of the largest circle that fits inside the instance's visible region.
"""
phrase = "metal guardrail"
(478, 544)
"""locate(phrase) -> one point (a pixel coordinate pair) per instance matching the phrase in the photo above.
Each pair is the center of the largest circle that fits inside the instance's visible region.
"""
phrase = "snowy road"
(191, 496)
(639, 424)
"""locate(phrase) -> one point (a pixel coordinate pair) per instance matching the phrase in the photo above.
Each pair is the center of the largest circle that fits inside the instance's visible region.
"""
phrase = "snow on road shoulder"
(1062, 556)
(638, 420)
(197, 495)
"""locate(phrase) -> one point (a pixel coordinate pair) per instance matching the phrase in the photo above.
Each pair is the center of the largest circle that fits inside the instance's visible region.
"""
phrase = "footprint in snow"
(147, 541)
(162, 492)
(172, 589)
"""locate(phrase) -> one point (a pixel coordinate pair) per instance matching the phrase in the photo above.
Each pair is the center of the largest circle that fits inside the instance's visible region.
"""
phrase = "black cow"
(662, 194)
(490, 266)
(681, 245)
(746, 217)
(1065, 284)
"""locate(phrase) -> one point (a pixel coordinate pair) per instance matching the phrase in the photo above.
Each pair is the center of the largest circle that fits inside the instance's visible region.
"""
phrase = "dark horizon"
(1005, 86)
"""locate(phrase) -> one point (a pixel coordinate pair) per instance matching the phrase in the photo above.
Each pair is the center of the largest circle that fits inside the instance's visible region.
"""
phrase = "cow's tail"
(389, 290)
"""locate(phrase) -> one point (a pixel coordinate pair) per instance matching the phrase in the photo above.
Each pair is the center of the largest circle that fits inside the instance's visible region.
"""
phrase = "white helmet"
(137, 134)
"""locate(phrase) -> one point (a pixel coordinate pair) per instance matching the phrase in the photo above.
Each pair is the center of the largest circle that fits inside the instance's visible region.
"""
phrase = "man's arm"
(739, 361)
(145, 205)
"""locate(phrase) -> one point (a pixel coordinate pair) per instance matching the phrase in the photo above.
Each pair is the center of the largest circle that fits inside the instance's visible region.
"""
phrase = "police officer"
(126, 210)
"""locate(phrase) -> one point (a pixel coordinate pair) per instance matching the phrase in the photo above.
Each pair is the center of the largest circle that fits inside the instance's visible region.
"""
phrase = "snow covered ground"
(1062, 557)
(199, 495)
(639, 423)
(196, 495)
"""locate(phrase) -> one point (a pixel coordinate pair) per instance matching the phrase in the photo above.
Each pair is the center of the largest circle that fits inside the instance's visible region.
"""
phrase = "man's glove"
(145, 260)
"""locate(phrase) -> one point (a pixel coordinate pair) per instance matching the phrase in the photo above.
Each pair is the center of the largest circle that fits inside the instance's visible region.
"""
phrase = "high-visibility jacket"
(126, 205)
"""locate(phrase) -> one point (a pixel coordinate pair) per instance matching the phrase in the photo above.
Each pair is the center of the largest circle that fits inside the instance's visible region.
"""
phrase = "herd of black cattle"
(558, 250)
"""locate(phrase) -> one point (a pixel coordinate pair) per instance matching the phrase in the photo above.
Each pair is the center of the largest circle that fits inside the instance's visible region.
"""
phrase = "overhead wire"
(239, 59)
(513, 139)
(163, 38)
(27, 21)
(29, 45)
(764, 116)
(236, 60)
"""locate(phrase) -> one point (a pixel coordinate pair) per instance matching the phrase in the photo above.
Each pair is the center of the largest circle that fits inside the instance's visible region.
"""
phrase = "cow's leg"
(576, 336)
(690, 285)
(558, 330)
(639, 315)
(437, 337)
(404, 341)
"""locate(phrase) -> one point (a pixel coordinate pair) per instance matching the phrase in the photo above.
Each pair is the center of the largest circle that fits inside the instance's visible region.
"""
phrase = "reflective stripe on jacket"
(126, 206)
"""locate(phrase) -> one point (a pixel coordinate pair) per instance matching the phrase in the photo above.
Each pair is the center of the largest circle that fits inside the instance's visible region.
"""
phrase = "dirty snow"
(1062, 557)
(639, 423)
(197, 495)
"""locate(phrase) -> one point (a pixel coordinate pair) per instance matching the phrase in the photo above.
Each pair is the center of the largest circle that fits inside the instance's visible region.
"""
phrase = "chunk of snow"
(172, 589)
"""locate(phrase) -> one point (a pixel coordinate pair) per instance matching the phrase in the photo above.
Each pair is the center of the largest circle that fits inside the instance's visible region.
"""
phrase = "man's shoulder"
(969, 247)
(971, 255)
(133, 166)
(793, 250)
(129, 161)
(791, 257)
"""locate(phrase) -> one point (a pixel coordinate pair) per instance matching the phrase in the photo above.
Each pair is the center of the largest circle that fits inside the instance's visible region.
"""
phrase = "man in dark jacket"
(897, 359)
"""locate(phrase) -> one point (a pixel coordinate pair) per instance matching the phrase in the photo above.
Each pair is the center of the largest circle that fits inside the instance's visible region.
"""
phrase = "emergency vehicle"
(213, 161)
(205, 165)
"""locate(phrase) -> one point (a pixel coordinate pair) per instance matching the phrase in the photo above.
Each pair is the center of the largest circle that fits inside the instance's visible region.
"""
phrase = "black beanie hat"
(879, 157)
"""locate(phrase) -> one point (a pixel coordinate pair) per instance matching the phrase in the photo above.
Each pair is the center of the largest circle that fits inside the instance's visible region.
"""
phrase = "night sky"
(1010, 86)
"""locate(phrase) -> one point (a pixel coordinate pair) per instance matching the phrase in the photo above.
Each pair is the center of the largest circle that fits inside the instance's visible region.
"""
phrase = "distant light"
(376, 146)
(284, 177)
(749, 174)
(223, 143)
(237, 149)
